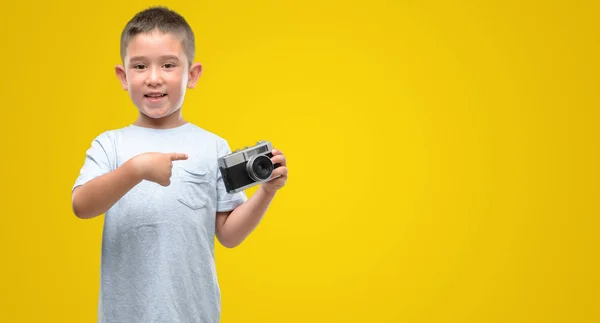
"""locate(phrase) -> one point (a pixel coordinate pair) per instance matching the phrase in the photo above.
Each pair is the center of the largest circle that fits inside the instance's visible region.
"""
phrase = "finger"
(178, 156)
(280, 171)
(166, 182)
(279, 159)
(276, 152)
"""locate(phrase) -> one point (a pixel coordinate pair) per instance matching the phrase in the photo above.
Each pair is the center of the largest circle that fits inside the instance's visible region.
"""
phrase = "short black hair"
(164, 20)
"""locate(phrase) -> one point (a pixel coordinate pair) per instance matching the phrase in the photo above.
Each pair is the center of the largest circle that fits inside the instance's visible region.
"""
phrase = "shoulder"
(103, 137)
(108, 137)
(207, 136)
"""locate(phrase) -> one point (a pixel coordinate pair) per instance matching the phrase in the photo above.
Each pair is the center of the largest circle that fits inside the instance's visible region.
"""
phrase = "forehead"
(155, 44)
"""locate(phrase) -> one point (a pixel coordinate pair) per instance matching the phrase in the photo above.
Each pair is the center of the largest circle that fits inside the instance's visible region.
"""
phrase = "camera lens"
(259, 168)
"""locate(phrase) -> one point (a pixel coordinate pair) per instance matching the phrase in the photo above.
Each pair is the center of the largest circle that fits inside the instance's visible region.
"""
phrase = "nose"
(154, 77)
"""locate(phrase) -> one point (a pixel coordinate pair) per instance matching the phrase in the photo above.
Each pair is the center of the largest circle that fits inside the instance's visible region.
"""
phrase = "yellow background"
(443, 155)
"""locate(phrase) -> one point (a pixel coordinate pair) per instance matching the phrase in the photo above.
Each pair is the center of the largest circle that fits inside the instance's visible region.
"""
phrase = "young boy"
(157, 182)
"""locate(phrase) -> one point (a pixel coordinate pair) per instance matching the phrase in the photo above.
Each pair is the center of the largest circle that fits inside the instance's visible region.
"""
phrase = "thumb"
(178, 156)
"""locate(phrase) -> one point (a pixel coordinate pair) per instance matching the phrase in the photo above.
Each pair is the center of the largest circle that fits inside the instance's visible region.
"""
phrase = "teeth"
(155, 95)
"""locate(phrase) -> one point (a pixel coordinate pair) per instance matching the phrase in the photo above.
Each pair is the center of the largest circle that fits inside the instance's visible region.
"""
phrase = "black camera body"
(247, 167)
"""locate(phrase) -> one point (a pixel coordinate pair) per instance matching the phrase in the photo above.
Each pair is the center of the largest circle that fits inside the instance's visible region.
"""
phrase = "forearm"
(244, 219)
(101, 193)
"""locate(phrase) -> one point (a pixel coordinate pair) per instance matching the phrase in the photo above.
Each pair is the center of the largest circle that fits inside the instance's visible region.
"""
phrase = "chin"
(157, 113)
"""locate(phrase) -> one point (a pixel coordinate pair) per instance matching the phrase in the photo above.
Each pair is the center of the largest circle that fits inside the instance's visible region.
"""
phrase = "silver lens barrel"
(259, 168)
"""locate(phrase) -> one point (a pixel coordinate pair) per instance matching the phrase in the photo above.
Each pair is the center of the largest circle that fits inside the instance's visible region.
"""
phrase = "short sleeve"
(98, 160)
(226, 201)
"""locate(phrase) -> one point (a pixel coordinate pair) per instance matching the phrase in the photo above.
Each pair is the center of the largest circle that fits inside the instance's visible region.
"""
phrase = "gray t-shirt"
(158, 260)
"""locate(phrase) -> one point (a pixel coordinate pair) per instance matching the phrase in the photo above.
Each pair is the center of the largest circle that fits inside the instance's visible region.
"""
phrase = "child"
(157, 182)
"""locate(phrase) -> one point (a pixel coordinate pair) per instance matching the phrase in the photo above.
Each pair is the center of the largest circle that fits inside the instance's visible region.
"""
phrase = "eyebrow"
(164, 57)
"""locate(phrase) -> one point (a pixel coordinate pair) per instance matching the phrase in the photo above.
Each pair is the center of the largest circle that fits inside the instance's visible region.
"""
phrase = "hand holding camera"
(279, 176)
(250, 166)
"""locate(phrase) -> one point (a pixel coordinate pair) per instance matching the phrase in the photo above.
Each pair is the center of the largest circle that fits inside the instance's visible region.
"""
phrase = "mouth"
(154, 97)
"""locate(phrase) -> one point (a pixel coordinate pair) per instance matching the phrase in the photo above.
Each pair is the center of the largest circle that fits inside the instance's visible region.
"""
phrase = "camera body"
(247, 167)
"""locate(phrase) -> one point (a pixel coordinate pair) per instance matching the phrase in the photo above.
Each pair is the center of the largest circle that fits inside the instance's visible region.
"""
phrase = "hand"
(277, 183)
(156, 167)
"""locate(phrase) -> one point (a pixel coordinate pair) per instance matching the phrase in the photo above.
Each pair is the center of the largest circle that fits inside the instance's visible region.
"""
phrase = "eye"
(169, 65)
(139, 66)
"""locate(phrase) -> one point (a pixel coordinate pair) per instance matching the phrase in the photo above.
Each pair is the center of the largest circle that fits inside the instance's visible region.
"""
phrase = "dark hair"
(161, 19)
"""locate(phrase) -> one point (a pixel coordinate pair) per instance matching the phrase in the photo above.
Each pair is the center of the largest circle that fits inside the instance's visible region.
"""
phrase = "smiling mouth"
(154, 96)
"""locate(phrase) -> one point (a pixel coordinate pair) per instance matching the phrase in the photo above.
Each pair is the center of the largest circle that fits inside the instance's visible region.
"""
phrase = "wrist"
(132, 171)
(265, 191)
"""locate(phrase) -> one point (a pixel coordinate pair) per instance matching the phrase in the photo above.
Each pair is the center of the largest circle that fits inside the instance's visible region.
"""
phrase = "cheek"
(178, 83)
(135, 82)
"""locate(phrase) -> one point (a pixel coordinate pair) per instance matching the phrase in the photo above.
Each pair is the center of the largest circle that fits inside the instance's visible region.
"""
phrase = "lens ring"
(259, 168)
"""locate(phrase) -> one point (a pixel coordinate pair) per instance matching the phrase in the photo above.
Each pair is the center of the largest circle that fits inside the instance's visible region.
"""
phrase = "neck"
(171, 121)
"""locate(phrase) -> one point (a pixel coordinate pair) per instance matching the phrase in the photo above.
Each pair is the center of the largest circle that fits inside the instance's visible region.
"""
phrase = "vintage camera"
(246, 167)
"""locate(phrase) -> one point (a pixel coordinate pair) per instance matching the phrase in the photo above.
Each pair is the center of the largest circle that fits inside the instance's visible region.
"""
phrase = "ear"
(195, 72)
(120, 71)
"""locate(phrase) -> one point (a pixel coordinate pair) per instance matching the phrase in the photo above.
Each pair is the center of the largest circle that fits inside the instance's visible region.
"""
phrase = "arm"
(234, 227)
(101, 193)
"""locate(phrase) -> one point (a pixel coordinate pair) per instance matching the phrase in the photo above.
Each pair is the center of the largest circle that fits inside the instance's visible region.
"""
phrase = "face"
(156, 74)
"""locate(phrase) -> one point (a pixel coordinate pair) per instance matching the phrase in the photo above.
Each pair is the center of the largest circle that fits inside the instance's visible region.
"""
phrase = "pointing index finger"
(178, 156)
